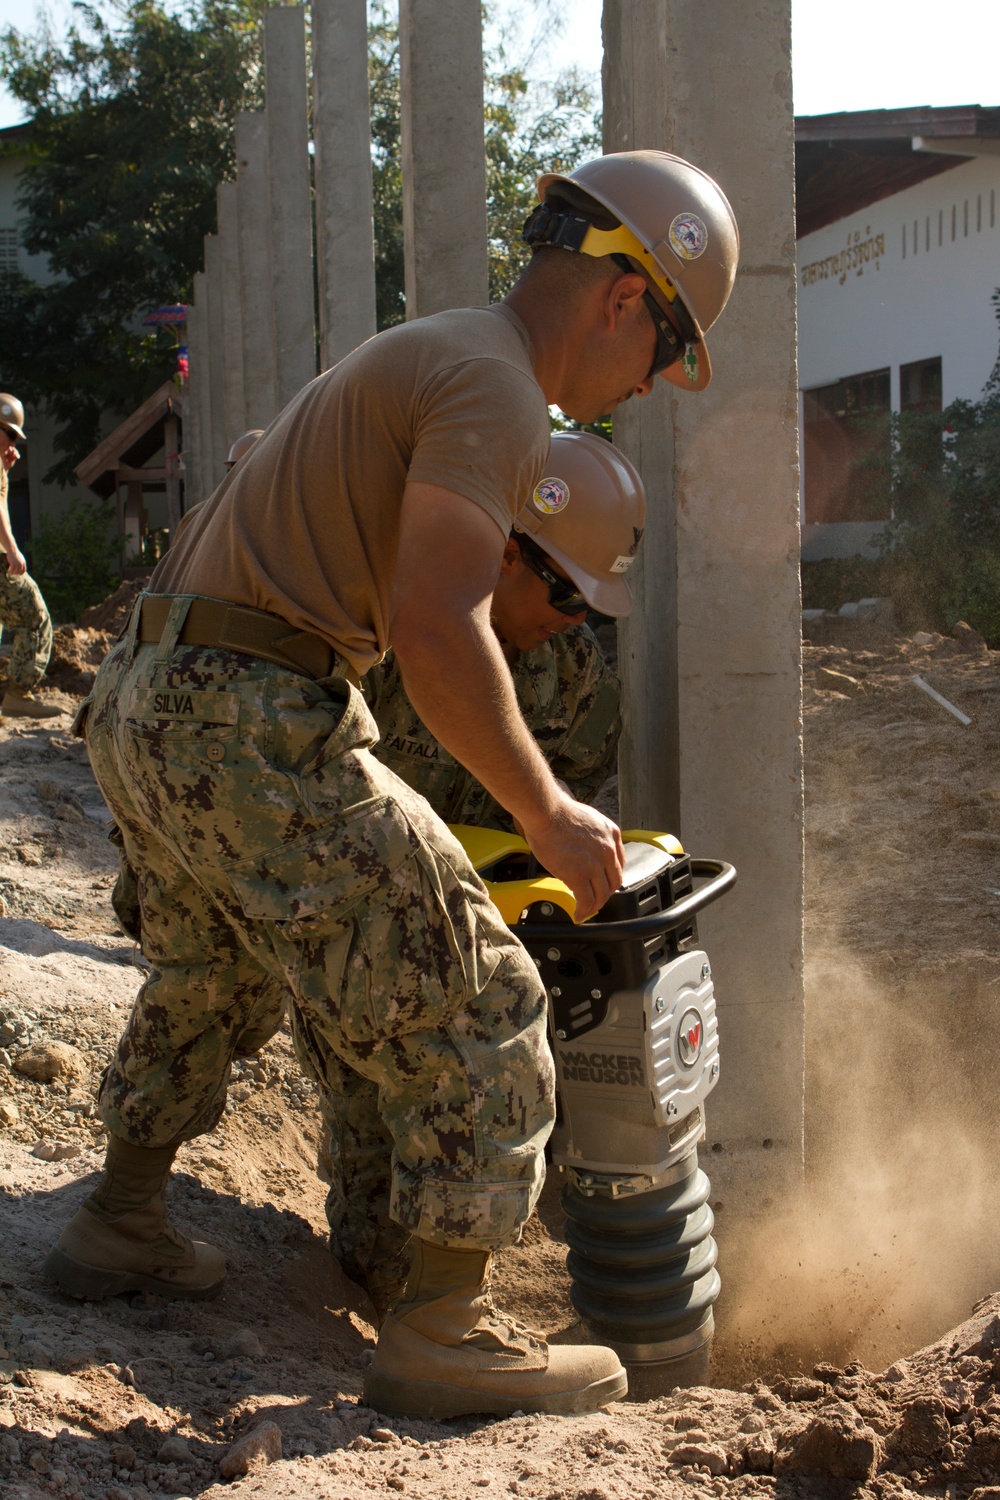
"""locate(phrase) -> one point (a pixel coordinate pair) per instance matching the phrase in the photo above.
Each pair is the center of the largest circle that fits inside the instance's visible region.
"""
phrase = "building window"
(920, 385)
(8, 250)
(846, 449)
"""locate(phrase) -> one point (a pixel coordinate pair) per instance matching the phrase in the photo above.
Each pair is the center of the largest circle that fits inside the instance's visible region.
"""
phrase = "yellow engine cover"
(487, 847)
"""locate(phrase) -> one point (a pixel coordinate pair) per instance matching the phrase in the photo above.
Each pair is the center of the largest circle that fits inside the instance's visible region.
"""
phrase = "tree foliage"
(75, 561)
(131, 128)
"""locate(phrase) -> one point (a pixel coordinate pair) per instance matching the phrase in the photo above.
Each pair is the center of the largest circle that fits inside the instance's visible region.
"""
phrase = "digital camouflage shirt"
(570, 700)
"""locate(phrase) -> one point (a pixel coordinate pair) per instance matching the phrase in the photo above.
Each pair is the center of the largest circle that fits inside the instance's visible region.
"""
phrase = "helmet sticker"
(622, 564)
(551, 496)
(689, 363)
(688, 236)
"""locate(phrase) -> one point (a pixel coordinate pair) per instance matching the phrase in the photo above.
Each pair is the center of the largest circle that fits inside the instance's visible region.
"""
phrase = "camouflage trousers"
(277, 862)
(24, 615)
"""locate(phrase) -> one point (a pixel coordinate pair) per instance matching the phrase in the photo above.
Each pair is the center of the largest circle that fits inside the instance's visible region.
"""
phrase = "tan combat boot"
(18, 704)
(121, 1240)
(446, 1351)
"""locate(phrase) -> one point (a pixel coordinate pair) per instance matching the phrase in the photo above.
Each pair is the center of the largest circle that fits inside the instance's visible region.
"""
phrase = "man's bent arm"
(459, 683)
(15, 557)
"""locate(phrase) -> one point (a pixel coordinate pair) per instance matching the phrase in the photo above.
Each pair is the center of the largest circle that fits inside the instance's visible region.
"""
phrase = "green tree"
(131, 128)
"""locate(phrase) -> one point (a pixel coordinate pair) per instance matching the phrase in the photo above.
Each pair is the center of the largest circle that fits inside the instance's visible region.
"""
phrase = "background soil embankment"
(894, 1242)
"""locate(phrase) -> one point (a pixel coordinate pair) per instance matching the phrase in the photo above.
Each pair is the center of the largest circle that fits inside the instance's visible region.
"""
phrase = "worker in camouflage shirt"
(559, 561)
(23, 613)
(569, 550)
(570, 701)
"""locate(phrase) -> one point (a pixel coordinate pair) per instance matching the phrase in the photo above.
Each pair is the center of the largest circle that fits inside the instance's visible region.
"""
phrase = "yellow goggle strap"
(548, 225)
(622, 241)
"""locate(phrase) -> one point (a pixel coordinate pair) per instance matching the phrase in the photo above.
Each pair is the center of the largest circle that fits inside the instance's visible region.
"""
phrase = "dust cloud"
(895, 1237)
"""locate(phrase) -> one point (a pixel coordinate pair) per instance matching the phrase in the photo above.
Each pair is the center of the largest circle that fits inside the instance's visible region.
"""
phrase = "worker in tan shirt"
(275, 854)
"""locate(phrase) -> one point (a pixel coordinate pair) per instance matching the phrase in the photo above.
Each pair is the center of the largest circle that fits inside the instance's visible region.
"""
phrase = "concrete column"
(233, 312)
(217, 447)
(345, 241)
(712, 661)
(193, 416)
(171, 444)
(443, 155)
(201, 350)
(260, 391)
(290, 198)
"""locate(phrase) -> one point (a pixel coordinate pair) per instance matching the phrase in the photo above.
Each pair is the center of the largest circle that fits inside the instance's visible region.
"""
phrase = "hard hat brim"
(608, 594)
(677, 374)
(18, 432)
(693, 372)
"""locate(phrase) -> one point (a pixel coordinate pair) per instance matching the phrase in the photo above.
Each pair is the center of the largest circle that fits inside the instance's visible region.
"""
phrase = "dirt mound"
(112, 612)
(894, 1240)
(77, 652)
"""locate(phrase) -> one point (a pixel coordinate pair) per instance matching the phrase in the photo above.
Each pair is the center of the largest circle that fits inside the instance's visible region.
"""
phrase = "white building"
(898, 261)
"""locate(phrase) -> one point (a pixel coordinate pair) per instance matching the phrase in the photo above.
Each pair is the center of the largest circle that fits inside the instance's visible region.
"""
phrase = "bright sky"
(885, 55)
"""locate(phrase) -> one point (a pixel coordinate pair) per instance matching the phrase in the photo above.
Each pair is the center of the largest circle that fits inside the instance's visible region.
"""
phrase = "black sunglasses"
(669, 344)
(563, 593)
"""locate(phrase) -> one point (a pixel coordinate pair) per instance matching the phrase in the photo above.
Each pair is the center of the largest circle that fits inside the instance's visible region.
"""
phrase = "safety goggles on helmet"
(551, 225)
(564, 595)
(670, 346)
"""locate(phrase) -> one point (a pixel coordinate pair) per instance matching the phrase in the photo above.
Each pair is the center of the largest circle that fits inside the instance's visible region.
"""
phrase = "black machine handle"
(720, 878)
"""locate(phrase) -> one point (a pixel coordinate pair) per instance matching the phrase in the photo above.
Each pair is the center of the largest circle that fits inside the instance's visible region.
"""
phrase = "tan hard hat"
(682, 230)
(12, 415)
(588, 513)
(242, 445)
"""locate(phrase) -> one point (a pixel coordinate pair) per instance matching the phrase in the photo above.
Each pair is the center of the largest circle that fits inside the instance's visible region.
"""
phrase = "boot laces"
(495, 1318)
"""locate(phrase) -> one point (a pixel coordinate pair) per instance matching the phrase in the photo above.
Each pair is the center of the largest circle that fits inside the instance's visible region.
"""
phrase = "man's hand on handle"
(583, 849)
(458, 681)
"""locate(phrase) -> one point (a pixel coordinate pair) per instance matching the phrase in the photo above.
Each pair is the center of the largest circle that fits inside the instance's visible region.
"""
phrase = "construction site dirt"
(858, 1346)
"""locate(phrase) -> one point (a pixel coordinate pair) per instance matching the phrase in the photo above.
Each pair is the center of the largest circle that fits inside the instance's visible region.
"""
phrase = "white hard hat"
(588, 515)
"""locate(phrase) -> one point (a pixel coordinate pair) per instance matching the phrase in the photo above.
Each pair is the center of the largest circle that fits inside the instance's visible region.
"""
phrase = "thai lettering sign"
(863, 249)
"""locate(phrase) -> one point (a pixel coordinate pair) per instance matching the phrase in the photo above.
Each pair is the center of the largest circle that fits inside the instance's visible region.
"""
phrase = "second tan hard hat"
(685, 233)
(242, 445)
(588, 513)
(12, 415)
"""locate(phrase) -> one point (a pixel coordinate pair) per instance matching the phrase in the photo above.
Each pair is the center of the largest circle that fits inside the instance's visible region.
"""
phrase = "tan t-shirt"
(307, 526)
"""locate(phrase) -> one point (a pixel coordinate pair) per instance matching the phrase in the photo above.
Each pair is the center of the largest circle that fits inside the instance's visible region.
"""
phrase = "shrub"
(76, 558)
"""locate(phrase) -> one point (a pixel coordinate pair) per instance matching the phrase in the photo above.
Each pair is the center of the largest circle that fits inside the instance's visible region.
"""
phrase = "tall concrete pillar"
(260, 390)
(196, 400)
(712, 655)
(216, 446)
(171, 456)
(233, 312)
(201, 350)
(345, 240)
(290, 198)
(443, 155)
